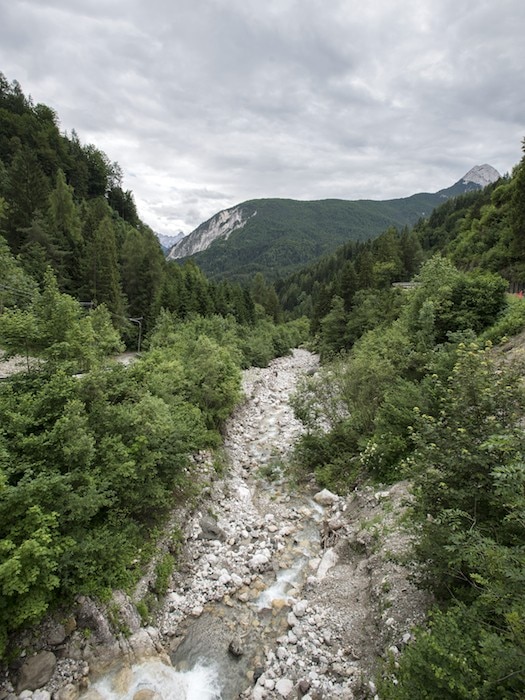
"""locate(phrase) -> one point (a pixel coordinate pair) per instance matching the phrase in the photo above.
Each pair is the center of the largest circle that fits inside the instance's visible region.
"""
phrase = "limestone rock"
(92, 617)
(36, 671)
(129, 617)
(326, 498)
(41, 695)
(56, 635)
(284, 687)
(299, 609)
(146, 694)
(328, 561)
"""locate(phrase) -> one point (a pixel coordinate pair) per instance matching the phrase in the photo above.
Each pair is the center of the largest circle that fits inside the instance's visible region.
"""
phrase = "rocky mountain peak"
(482, 175)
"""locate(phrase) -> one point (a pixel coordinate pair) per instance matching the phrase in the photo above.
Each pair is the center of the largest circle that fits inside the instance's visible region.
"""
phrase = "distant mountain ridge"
(167, 242)
(276, 236)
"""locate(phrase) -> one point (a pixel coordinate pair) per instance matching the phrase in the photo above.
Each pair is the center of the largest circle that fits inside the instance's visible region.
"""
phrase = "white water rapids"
(154, 680)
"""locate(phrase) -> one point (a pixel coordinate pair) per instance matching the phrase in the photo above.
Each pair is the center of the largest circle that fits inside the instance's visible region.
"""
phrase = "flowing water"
(154, 680)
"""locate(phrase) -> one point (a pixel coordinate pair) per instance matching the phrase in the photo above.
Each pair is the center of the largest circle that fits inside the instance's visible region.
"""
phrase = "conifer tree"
(103, 273)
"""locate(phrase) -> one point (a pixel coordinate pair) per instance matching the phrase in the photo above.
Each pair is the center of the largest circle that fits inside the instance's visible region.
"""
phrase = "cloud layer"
(207, 104)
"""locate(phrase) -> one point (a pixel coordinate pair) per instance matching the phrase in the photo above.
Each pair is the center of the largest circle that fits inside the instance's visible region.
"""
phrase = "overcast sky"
(207, 103)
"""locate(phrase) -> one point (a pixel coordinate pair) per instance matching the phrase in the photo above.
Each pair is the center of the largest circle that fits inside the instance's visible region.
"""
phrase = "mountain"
(278, 236)
(477, 178)
(167, 242)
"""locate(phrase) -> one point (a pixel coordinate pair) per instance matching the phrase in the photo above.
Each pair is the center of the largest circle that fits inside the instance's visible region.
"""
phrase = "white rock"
(236, 580)
(244, 493)
(41, 695)
(291, 619)
(258, 561)
(325, 498)
(284, 687)
(175, 600)
(197, 611)
(328, 561)
(299, 609)
(259, 693)
(282, 653)
(224, 579)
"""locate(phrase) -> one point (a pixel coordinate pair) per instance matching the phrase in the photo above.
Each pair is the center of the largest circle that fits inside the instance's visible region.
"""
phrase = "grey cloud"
(235, 99)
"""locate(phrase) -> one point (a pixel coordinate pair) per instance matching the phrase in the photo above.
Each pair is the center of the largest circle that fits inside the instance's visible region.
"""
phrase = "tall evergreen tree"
(27, 192)
(65, 228)
(103, 273)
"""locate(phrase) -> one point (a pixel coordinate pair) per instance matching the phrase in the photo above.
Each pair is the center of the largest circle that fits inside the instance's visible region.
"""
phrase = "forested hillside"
(62, 206)
(348, 291)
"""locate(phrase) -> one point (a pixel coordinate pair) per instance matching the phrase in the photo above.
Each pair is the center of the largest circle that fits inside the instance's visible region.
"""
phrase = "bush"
(511, 321)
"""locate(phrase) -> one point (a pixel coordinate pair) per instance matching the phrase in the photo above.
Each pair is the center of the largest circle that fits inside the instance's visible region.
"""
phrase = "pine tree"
(103, 274)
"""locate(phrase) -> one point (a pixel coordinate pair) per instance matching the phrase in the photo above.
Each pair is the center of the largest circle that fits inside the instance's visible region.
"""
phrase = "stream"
(249, 556)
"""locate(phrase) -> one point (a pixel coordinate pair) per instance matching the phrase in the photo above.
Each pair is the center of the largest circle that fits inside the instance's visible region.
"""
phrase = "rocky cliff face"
(219, 226)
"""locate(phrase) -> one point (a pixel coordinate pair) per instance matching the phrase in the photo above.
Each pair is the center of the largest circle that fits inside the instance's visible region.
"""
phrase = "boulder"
(146, 694)
(235, 647)
(92, 617)
(284, 687)
(210, 529)
(41, 695)
(56, 635)
(299, 608)
(36, 671)
(328, 561)
(326, 498)
(258, 562)
(127, 612)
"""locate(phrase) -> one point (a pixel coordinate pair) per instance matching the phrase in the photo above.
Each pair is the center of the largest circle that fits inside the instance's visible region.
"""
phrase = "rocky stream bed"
(277, 593)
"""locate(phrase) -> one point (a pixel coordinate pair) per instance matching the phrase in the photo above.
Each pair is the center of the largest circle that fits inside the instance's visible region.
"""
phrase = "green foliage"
(448, 300)
(470, 431)
(509, 323)
(55, 328)
(457, 658)
(163, 572)
(29, 556)
(470, 503)
(99, 459)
